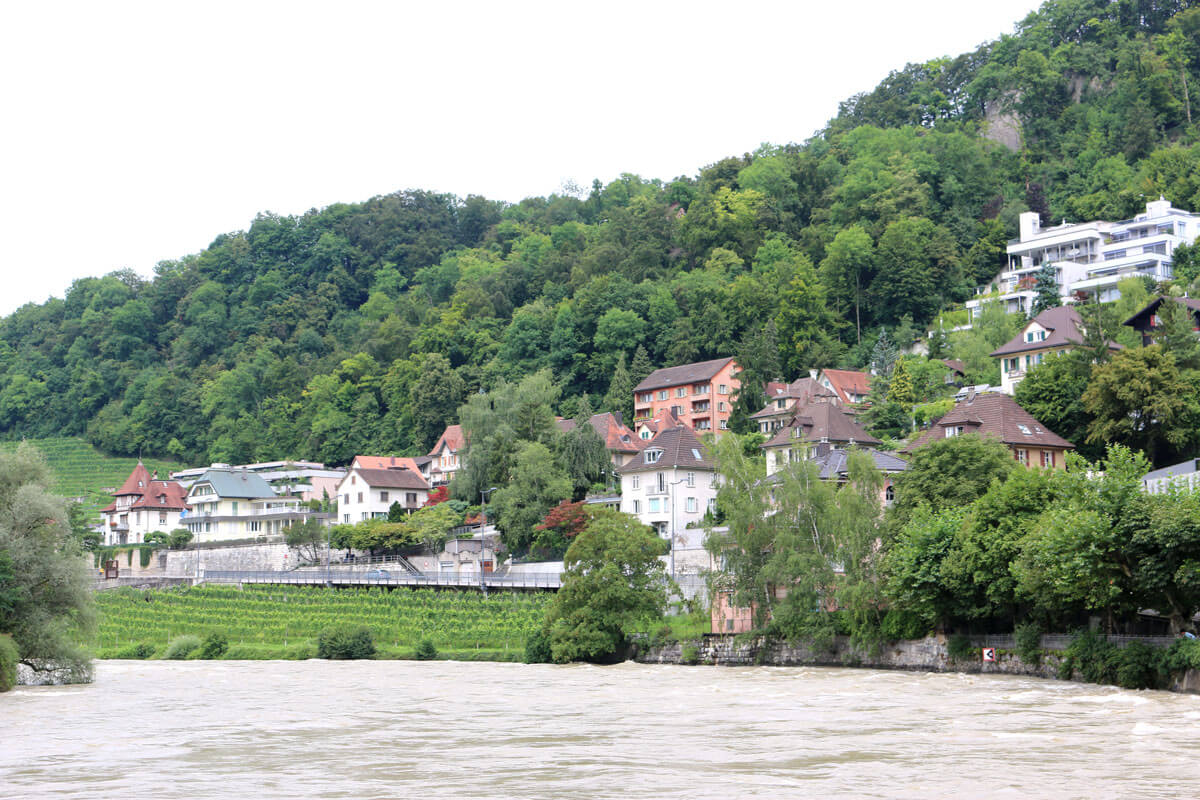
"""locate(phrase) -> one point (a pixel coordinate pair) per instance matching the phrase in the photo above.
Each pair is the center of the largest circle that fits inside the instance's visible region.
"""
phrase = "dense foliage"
(362, 327)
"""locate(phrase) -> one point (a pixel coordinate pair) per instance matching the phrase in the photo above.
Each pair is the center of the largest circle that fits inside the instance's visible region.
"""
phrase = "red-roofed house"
(419, 464)
(852, 387)
(621, 443)
(998, 416)
(447, 455)
(143, 504)
(700, 395)
(664, 418)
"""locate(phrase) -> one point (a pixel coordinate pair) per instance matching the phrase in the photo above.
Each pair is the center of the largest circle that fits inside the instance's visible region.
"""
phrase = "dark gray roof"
(833, 464)
(679, 448)
(699, 372)
(821, 421)
(1182, 468)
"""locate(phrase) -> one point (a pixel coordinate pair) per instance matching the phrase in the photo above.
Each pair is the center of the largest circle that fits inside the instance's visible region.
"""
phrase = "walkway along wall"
(922, 655)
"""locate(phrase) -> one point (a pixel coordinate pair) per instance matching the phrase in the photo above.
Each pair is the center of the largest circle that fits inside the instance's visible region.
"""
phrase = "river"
(395, 729)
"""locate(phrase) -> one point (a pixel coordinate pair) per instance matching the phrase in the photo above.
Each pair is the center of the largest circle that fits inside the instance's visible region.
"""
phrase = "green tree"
(900, 390)
(537, 484)
(1046, 288)
(1053, 393)
(1176, 334)
(308, 539)
(619, 398)
(45, 578)
(612, 582)
(583, 453)
(1142, 400)
(848, 269)
(915, 566)
(434, 397)
(950, 473)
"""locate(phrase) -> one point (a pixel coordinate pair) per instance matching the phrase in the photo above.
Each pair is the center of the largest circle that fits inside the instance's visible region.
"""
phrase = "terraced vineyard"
(82, 471)
(268, 620)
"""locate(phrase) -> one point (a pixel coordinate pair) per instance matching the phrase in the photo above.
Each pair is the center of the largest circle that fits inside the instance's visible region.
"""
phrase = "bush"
(9, 656)
(959, 647)
(1028, 637)
(425, 650)
(1097, 660)
(537, 647)
(1142, 667)
(181, 647)
(346, 643)
(898, 624)
(689, 655)
(141, 651)
(1092, 656)
(215, 645)
(1184, 654)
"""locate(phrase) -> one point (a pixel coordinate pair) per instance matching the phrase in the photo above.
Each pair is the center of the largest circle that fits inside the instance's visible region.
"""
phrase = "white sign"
(989, 655)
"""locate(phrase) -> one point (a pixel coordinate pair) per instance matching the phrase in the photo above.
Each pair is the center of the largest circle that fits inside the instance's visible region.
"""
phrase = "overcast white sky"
(134, 133)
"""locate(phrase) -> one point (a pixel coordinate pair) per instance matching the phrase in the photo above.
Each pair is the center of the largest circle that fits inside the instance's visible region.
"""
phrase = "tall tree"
(848, 268)
(619, 398)
(1047, 289)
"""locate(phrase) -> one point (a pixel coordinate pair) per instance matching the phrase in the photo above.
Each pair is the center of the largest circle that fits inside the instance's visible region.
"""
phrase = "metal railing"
(1060, 641)
(342, 577)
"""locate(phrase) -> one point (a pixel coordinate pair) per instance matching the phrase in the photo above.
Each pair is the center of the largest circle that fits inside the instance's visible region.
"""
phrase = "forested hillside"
(362, 327)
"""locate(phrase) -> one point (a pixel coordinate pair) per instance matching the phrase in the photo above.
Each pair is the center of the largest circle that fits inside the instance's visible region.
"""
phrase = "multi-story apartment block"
(1089, 257)
(700, 395)
(307, 480)
(142, 505)
(227, 503)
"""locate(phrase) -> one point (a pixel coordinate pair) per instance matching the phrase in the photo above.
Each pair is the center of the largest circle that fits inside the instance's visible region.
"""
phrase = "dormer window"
(954, 430)
(653, 455)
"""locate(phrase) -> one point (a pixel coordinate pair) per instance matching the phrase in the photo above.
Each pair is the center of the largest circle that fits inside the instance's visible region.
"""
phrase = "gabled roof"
(1190, 302)
(236, 483)
(997, 415)
(679, 448)
(1064, 327)
(389, 462)
(452, 437)
(847, 382)
(617, 436)
(804, 391)
(663, 419)
(833, 464)
(152, 494)
(820, 421)
(957, 366)
(391, 478)
(687, 373)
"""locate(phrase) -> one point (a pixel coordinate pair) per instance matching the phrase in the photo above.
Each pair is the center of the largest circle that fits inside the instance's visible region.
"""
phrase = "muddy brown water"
(392, 729)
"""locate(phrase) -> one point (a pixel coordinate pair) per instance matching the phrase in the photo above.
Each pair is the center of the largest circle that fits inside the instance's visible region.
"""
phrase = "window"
(636, 482)
(235, 508)
(681, 391)
(347, 500)
(655, 505)
(954, 430)
(646, 397)
(637, 506)
(721, 406)
(677, 410)
(700, 388)
(1047, 458)
(722, 389)
(662, 395)
(662, 482)
(703, 425)
(781, 403)
(254, 526)
(383, 497)
(645, 434)
(360, 497)
(365, 515)
(653, 455)
(692, 505)
(162, 518)
(724, 424)
(691, 479)
(889, 495)
(353, 479)
(410, 499)
(345, 517)
(712, 506)
(1022, 455)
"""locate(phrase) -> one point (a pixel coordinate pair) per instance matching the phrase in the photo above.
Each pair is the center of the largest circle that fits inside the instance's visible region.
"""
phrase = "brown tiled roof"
(392, 478)
(687, 373)
(1191, 302)
(680, 448)
(819, 421)
(997, 415)
(390, 462)
(452, 437)
(1063, 325)
(803, 391)
(847, 382)
(149, 493)
(956, 365)
(663, 418)
(616, 436)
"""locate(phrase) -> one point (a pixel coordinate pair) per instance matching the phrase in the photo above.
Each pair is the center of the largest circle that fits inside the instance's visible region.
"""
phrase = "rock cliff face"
(1001, 124)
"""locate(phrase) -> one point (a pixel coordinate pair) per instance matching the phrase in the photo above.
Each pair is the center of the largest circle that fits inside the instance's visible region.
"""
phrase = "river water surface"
(395, 729)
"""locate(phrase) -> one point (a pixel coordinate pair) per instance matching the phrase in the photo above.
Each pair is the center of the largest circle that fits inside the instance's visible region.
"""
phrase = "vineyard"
(81, 470)
(283, 622)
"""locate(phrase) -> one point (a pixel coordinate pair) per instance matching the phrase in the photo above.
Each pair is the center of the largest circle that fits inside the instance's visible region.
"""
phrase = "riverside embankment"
(931, 654)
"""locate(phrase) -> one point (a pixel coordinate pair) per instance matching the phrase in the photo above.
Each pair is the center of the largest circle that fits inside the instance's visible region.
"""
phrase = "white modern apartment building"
(306, 480)
(1091, 257)
(227, 503)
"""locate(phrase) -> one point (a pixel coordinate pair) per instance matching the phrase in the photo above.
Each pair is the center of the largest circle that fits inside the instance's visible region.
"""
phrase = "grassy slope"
(83, 471)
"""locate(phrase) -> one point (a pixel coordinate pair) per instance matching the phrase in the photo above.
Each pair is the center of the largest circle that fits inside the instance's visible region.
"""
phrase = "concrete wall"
(182, 563)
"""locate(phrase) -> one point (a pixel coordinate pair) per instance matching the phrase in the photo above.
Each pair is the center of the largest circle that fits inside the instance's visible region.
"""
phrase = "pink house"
(699, 395)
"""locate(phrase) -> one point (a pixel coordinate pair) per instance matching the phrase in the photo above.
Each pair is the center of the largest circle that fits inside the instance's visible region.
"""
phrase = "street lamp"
(483, 536)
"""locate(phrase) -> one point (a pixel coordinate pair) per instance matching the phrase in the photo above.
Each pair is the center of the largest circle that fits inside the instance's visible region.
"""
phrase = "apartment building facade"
(699, 395)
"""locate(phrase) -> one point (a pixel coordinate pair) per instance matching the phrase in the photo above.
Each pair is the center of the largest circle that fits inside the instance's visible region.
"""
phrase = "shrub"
(9, 656)
(300, 652)
(959, 647)
(425, 650)
(1142, 667)
(1097, 660)
(1184, 654)
(144, 556)
(1028, 637)
(689, 655)
(141, 650)
(898, 624)
(1092, 656)
(345, 643)
(537, 647)
(181, 647)
(215, 645)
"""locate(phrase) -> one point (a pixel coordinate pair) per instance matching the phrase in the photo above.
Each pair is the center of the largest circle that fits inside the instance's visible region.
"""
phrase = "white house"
(228, 503)
(447, 455)
(369, 493)
(671, 483)
(142, 505)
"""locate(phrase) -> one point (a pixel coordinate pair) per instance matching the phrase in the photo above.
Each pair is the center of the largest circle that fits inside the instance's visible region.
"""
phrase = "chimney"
(822, 449)
(1029, 225)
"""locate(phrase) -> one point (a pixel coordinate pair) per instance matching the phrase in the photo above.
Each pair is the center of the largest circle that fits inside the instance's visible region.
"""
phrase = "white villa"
(1091, 257)
(671, 483)
(228, 503)
(369, 493)
(142, 505)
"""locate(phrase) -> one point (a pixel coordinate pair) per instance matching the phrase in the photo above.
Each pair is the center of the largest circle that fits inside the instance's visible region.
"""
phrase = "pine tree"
(938, 342)
(620, 391)
(772, 369)
(1176, 335)
(641, 365)
(901, 388)
(883, 355)
(1047, 289)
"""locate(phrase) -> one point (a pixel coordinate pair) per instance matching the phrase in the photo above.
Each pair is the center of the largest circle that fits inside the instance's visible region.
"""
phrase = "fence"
(1060, 641)
(140, 582)
(385, 578)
